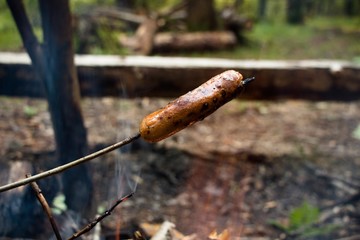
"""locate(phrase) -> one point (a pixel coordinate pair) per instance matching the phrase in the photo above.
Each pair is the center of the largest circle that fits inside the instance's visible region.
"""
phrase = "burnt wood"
(139, 76)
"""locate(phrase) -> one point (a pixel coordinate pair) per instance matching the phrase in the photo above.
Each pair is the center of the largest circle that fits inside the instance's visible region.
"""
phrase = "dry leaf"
(222, 236)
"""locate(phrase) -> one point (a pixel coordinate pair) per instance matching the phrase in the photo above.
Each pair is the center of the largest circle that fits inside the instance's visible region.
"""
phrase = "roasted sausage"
(192, 106)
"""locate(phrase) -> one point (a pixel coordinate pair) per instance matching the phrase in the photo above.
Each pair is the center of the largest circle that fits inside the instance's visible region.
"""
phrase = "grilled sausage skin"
(191, 107)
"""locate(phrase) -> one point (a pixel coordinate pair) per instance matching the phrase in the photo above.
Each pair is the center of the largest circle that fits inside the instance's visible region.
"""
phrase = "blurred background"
(279, 162)
(267, 29)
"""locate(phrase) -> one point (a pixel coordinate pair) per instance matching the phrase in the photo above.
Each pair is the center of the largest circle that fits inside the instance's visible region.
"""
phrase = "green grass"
(345, 25)
(322, 38)
(303, 221)
(9, 37)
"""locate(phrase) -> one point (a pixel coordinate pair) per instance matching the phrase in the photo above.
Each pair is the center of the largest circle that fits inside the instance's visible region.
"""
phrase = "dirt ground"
(246, 168)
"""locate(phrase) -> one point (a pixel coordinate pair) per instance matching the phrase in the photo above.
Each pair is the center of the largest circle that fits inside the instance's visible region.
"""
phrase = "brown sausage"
(191, 107)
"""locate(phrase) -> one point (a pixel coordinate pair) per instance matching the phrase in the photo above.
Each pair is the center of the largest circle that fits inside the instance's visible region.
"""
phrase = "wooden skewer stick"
(93, 155)
(69, 165)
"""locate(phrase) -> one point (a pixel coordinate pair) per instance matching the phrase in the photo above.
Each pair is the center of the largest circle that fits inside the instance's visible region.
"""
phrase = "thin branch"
(46, 207)
(108, 212)
(74, 163)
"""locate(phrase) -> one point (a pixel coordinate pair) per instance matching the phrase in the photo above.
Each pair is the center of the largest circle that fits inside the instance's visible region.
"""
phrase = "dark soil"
(247, 166)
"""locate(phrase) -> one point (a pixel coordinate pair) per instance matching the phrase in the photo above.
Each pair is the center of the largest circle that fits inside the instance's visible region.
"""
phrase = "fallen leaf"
(222, 236)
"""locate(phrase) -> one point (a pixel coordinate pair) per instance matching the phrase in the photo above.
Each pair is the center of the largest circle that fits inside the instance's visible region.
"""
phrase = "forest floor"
(282, 169)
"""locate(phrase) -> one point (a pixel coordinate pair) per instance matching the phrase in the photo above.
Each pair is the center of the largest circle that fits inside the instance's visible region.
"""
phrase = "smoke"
(125, 173)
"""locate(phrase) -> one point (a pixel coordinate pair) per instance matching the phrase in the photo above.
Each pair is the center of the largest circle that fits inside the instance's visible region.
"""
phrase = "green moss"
(314, 40)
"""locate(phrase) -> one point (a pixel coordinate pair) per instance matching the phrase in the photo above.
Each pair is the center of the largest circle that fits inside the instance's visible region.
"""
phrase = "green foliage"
(321, 36)
(302, 222)
(80, 6)
(356, 133)
(318, 231)
(356, 59)
(106, 42)
(276, 11)
(30, 111)
(342, 24)
(9, 37)
(59, 204)
(303, 215)
(101, 209)
(279, 40)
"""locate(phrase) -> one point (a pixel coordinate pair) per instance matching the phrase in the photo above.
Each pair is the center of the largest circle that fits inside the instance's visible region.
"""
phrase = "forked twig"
(92, 224)
(46, 207)
(69, 165)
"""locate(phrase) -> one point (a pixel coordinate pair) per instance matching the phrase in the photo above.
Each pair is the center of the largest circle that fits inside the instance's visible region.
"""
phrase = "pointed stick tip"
(247, 80)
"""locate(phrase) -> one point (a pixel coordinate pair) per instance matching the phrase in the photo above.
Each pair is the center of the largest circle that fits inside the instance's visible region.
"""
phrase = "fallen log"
(143, 76)
(195, 41)
(184, 42)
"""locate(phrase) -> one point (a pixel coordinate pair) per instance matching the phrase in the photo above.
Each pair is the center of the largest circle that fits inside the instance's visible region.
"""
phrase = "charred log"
(171, 77)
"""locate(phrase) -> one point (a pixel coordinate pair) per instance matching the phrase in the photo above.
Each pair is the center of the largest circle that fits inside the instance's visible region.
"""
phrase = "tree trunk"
(295, 12)
(63, 96)
(351, 7)
(262, 9)
(54, 64)
(201, 15)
